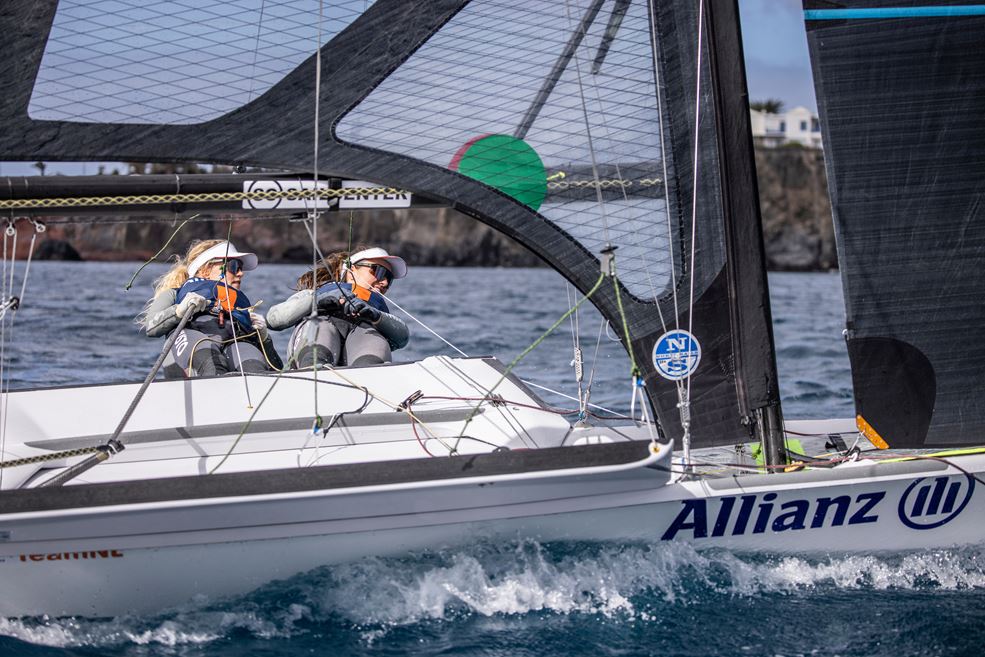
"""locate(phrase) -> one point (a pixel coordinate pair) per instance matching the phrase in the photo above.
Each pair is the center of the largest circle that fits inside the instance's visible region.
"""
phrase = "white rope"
(663, 161)
(503, 410)
(595, 360)
(561, 394)
(425, 326)
(685, 398)
(38, 229)
(313, 213)
(3, 351)
(577, 360)
(13, 257)
(526, 382)
(10, 307)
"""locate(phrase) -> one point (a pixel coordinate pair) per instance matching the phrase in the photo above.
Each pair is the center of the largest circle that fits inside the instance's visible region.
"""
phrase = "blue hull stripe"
(893, 12)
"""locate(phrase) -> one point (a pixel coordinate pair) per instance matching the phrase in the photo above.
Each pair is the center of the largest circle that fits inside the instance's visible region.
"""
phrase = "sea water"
(515, 598)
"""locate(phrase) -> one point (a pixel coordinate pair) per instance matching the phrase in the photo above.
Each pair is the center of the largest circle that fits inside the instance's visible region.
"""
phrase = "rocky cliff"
(796, 218)
(793, 194)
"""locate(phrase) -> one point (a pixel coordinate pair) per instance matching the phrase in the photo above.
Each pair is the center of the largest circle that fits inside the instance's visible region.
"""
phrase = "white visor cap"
(221, 251)
(395, 263)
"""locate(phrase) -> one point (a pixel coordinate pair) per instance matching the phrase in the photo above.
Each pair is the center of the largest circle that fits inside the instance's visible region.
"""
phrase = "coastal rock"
(57, 250)
(793, 193)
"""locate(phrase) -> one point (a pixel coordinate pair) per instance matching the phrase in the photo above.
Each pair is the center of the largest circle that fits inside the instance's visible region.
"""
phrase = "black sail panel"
(901, 94)
(483, 105)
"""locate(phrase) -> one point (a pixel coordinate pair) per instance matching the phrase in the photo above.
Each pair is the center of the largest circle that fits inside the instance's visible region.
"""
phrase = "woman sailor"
(353, 325)
(223, 334)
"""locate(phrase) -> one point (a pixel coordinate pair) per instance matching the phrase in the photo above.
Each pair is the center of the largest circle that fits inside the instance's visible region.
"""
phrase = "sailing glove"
(196, 302)
(259, 325)
(329, 299)
(356, 307)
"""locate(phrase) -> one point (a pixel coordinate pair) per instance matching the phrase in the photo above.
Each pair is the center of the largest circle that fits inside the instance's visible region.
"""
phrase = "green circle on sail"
(509, 164)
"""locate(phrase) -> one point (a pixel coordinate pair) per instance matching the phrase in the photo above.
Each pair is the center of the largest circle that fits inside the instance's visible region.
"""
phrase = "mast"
(749, 302)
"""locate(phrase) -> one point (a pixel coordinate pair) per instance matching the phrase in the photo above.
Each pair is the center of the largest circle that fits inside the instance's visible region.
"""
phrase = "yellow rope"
(42, 458)
(604, 184)
(211, 197)
(936, 455)
(272, 195)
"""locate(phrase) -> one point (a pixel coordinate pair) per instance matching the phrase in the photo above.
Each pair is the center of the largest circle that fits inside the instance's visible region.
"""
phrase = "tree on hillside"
(770, 105)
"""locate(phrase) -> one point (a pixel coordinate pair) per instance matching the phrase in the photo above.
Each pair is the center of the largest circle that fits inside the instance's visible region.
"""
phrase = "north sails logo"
(931, 502)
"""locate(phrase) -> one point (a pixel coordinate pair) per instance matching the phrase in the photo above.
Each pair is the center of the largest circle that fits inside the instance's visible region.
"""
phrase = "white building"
(799, 125)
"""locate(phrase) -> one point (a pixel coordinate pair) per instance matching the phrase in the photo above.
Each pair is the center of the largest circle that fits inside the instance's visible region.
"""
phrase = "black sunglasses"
(379, 271)
(232, 266)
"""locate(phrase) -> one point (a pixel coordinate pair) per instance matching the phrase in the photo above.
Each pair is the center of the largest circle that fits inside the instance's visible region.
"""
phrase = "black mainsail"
(483, 105)
(901, 94)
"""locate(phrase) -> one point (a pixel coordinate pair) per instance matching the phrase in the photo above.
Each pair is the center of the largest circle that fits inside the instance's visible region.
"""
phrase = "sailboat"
(609, 137)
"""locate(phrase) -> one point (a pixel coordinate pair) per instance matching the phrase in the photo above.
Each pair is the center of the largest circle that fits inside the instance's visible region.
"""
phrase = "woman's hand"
(356, 307)
(330, 300)
(259, 325)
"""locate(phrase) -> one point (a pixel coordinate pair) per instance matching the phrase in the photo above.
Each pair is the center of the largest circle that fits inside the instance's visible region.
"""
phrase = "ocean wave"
(624, 583)
(189, 626)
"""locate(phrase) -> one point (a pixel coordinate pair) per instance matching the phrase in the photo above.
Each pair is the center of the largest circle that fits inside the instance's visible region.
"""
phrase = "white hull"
(116, 560)
(138, 542)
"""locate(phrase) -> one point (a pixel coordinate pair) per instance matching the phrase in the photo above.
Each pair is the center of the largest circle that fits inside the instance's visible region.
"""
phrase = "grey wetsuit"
(327, 340)
(203, 348)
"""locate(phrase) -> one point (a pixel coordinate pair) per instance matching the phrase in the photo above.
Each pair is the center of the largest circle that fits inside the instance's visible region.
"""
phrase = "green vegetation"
(770, 105)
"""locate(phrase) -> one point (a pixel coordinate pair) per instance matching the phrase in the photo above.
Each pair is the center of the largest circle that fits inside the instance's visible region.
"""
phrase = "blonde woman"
(223, 334)
(353, 325)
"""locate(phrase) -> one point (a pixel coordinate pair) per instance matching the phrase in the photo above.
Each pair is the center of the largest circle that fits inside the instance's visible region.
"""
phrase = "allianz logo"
(925, 504)
(755, 514)
(931, 502)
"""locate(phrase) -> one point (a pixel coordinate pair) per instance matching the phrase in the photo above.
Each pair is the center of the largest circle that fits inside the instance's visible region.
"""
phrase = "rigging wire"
(256, 50)
(156, 255)
(313, 213)
(525, 381)
(425, 326)
(595, 359)
(509, 368)
(249, 421)
(684, 392)
(635, 372)
(503, 410)
(658, 86)
(588, 136)
(4, 399)
(577, 361)
(11, 306)
(232, 321)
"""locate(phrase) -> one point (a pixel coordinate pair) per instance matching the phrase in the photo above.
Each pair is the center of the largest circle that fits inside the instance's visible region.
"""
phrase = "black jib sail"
(570, 127)
(901, 93)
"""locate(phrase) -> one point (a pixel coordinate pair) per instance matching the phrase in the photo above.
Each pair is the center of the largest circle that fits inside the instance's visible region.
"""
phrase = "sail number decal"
(676, 355)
